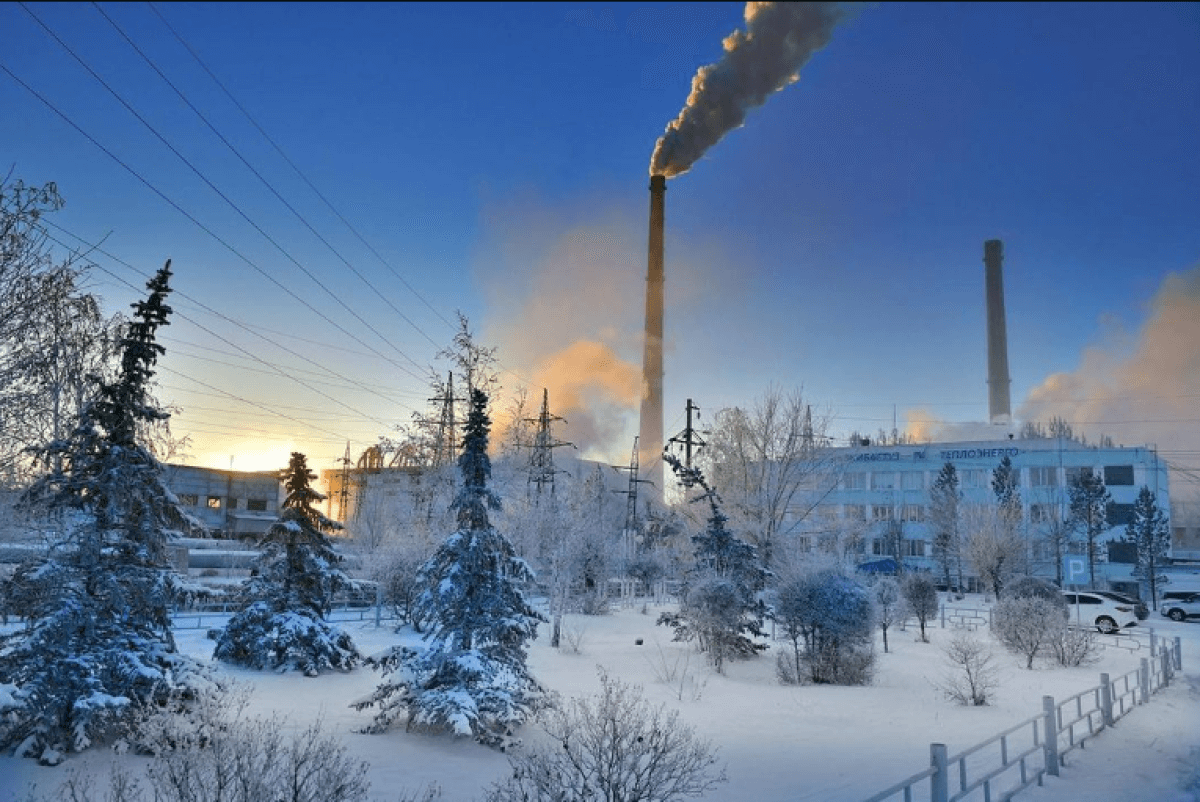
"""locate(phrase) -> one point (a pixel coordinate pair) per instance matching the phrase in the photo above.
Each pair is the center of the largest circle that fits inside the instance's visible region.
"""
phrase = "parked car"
(1090, 609)
(1181, 609)
(1139, 607)
(1178, 595)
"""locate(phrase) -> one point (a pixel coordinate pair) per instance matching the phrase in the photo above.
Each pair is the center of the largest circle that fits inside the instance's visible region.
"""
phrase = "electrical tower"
(344, 490)
(689, 437)
(444, 447)
(631, 520)
(541, 458)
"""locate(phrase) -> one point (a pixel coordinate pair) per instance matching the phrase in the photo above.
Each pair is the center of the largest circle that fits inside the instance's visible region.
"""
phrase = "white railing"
(1006, 764)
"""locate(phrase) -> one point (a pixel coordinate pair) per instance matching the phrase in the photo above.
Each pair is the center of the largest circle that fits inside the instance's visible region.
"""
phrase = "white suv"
(1091, 609)
(1181, 609)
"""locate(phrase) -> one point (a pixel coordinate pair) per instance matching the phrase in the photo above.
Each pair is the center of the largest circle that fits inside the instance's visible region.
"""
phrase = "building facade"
(882, 496)
(230, 504)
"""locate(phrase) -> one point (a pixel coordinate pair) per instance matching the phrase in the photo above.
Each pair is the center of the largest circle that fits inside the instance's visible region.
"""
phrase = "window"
(883, 480)
(189, 498)
(974, 477)
(1118, 475)
(1120, 514)
(913, 512)
(854, 481)
(914, 548)
(1043, 477)
(827, 543)
(879, 547)
(912, 480)
(214, 502)
(256, 504)
(804, 543)
(881, 512)
(232, 503)
(1041, 513)
(856, 512)
(1075, 475)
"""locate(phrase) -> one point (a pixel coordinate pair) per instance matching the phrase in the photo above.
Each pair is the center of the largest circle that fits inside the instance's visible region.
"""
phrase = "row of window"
(1114, 476)
(1117, 515)
(879, 547)
(216, 502)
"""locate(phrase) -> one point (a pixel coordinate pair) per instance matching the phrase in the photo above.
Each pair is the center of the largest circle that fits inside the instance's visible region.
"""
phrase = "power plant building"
(881, 494)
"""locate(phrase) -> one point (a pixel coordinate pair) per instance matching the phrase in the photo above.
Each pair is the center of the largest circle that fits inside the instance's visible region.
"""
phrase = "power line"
(264, 181)
(292, 164)
(238, 210)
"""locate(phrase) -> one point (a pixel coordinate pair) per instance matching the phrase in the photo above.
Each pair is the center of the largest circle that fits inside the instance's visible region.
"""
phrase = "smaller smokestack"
(999, 410)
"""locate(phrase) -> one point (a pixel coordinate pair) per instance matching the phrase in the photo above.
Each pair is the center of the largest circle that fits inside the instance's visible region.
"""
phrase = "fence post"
(939, 782)
(1167, 665)
(1106, 700)
(1144, 679)
(378, 603)
(1153, 643)
(1050, 735)
(943, 611)
(1178, 654)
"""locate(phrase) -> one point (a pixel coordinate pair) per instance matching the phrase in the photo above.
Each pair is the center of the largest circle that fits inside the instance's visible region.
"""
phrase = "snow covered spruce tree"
(284, 626)
(97, 653)
(720, 607)
(472, 678)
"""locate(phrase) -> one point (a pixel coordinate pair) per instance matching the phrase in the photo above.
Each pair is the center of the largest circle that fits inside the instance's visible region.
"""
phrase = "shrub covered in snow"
(297, 576)
(827, 619)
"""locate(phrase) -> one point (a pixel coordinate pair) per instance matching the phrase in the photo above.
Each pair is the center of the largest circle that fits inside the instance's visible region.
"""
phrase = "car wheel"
(1176, 615)
(1106, 625)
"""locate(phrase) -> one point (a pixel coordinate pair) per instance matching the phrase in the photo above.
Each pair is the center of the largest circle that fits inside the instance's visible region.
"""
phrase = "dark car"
(1139, 607)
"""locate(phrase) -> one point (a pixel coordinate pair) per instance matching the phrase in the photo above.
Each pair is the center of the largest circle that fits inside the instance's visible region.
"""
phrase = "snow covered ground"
(782, 743)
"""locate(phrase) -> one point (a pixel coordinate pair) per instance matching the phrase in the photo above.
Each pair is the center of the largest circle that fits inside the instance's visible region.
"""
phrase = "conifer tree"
(297, 577)
(1151, 534)
(1089, 512)
(98, 651)
(472, 677)
(721, 609)
(944, 500)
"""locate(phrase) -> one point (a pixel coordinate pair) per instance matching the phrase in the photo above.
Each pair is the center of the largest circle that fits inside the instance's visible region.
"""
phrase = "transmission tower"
(344, 490)
(631, 499)
(541, 458)
(444, 447)
(689, 437)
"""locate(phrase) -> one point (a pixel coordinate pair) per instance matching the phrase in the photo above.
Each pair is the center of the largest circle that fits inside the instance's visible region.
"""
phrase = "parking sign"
(1074, 570)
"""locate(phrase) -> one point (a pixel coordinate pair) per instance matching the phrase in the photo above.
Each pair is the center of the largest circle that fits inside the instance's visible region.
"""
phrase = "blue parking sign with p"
(1074, 570)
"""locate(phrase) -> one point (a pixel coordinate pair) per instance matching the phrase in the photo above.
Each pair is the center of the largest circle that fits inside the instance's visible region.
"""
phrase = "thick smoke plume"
(1137, 388)
(779, 39)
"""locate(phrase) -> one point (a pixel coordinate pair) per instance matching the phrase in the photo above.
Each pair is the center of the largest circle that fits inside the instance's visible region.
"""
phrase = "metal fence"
(1006, 764)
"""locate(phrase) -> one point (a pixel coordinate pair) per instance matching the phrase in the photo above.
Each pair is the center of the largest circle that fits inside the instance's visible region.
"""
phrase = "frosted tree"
(98, 651)
(1089, 513)
(889, 606)
(920, 594)
(472, 677)
(297, 577)
(1151, 534)
(944, 500)
(720, 608)
(827, 618)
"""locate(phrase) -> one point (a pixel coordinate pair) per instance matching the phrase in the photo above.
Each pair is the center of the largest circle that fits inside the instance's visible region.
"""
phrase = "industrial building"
(882, 493)
(233, 504)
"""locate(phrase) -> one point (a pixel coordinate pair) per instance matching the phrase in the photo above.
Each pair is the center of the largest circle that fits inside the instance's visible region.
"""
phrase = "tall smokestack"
(650, 439)
(997, 333)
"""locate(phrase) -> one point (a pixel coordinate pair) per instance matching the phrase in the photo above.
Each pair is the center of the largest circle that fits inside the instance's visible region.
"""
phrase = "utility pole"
(689, 437)
(344, 490)
(541, 459)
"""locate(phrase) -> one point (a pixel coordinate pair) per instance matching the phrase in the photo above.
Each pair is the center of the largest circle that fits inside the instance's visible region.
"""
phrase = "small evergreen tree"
(944, 498)
(297, 577)
(1151, 534)
(98, 651)
(472, 679)
(1089, 512)
(720, 607)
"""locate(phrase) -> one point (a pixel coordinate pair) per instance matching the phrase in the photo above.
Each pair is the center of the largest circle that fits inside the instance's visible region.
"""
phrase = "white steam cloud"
(779, 39)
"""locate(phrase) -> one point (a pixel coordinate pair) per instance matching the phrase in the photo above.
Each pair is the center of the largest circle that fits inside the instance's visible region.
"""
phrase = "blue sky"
(496, 157)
